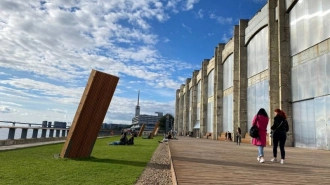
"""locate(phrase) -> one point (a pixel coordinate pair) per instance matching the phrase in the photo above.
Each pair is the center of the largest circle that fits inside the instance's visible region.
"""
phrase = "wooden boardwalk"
(203, 161)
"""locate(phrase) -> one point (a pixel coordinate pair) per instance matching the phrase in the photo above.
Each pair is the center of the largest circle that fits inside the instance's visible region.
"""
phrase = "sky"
(49, 47)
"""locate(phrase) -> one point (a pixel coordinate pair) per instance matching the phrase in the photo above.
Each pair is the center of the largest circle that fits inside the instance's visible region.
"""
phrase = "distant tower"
(137, 108)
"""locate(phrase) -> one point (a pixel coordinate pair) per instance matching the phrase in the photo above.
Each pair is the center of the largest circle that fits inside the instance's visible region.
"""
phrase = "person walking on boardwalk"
(238, 136)
(279, 129)
(261, 120)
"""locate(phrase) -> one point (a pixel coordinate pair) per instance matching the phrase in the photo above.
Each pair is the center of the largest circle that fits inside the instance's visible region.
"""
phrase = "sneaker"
(282, 161)
(258, 158)
(273, 160)
(262, 160)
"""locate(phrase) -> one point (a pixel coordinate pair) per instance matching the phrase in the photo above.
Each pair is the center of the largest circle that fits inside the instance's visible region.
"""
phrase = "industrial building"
(278, 59)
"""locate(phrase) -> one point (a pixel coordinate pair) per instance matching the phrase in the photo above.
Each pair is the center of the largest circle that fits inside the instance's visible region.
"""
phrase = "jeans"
(279, 137)
(260, 151)
(238, 139)
(115, 143)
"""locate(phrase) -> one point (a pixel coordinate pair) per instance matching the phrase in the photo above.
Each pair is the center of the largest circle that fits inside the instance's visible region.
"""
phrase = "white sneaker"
(262, 160)
(282, 161)
(258, 158)
(273, 160)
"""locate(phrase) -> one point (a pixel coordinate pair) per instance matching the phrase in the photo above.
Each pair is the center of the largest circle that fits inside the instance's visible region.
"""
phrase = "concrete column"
(35, 133)
(181, 128)
(218, 88)
(43, 133)
(204, 81)
(11, 133)
(285, 66)
(58, 133)
(186, 106)
(273, 63)
(243, 80)
(177, 108)
(24, 133)
(236, 79)
(51, 133)
(193, 107)
(63, 133)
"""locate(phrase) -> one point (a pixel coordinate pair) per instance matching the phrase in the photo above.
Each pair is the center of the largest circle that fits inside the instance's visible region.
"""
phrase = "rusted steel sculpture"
(90, 114)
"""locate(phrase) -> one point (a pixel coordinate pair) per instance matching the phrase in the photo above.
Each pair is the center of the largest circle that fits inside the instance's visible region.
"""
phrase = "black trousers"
(279, 138)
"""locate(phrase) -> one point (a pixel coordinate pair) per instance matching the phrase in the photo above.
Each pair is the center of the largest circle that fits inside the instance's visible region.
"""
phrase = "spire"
(138, 98)
(137, 107)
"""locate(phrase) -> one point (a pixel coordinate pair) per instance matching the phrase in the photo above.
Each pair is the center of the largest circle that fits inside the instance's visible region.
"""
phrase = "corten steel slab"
(90, 114)
(154, 132)
(141, 130)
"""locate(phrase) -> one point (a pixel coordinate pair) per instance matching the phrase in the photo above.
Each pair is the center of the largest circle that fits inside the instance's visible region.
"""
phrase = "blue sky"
(49, 47)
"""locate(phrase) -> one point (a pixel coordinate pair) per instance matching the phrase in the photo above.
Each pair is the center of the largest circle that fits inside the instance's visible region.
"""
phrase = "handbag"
(272, 132)
(254, 132)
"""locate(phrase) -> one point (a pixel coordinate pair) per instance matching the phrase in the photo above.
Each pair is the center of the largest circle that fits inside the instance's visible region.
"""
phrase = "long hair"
(262, 112)
(239, 130)
(281, 113)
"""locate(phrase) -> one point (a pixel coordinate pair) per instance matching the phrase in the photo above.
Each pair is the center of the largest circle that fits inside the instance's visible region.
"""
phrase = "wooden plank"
(205, 161)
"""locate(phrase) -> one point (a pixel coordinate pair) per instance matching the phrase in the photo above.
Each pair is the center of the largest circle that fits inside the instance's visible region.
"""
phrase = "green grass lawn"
(108, 164)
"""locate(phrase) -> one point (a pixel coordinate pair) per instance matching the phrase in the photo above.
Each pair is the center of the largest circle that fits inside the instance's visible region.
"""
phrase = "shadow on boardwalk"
(202, 161)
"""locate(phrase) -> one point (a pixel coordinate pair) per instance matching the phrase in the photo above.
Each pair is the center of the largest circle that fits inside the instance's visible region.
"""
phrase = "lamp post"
(167, 124)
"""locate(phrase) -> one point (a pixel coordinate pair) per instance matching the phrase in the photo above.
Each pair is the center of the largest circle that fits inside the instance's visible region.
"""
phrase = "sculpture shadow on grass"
(125, 162)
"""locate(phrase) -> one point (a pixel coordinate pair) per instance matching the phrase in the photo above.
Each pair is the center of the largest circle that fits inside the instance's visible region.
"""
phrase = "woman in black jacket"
(279, 129)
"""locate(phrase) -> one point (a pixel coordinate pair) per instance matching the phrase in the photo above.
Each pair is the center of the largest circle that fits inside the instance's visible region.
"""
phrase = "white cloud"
(225, 38)
(51, 47)
(220, 19)
(6, 109)
(187, 28)
(200, 13)
(59, 111)
(11, 103)
(166, 40)
(190, 4)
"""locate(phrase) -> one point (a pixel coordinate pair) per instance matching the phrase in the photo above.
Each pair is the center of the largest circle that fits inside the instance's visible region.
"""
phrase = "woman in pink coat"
(261, 120)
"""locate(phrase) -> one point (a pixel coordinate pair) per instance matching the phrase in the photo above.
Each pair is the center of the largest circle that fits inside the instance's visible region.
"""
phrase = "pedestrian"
(261, 121)
(229, 136)
(226, 135)
(238, 136)
(279, 130)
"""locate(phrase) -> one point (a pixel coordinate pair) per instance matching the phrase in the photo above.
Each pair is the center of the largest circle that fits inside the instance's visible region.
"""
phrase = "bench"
(208, 135)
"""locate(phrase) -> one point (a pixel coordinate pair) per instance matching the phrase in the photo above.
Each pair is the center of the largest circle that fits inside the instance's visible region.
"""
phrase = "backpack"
(254, 132)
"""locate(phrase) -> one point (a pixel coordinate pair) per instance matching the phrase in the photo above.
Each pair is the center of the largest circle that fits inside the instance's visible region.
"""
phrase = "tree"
(162, 121)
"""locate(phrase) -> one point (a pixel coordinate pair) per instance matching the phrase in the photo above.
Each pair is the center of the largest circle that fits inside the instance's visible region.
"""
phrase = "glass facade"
(258, 93)
(309, 24)
(199, 92)
(190, 109)
(258, 97)
(228, 78)
(210, 84)
(209, 126)
(228, 70)
(257, 49)
(312, 123)
(210, 107)
(184, 113)
(227, 122)
(311, 79)
(198, 114)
